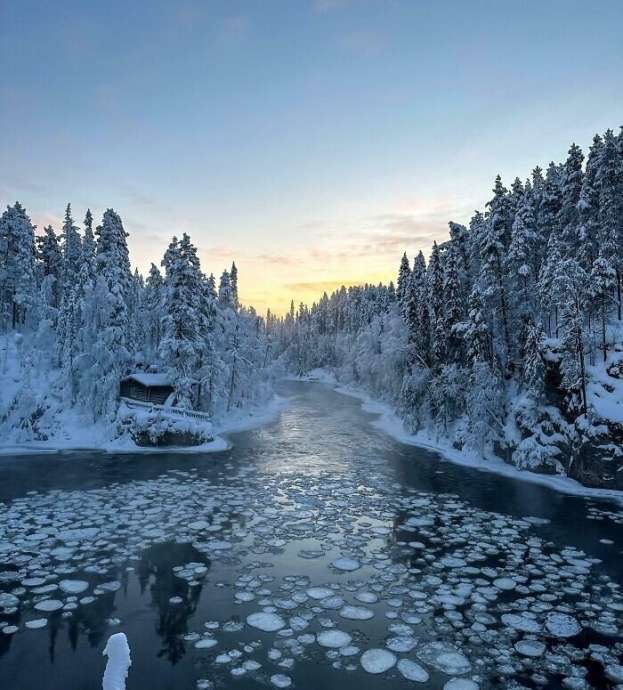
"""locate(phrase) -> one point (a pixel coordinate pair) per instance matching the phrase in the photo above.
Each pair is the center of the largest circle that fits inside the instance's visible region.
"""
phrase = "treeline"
(535, 278)
(80, 310)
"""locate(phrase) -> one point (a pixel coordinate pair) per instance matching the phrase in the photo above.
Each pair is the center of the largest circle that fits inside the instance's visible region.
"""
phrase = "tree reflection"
(156, 571)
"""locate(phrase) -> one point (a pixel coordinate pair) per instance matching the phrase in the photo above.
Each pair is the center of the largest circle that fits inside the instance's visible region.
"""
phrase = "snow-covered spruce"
(74, 320)
(509, 341)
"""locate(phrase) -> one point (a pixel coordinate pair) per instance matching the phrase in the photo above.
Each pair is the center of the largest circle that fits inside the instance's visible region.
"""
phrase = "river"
(315, 553)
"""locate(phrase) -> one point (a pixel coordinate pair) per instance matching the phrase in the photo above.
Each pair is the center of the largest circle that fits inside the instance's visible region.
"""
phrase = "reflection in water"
(173, 597)
(268, 518)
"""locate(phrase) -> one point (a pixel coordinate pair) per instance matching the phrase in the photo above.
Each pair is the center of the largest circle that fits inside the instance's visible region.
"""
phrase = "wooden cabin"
(150, 388)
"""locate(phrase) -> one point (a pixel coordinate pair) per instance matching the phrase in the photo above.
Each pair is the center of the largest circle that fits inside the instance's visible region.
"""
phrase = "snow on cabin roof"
(149, 380)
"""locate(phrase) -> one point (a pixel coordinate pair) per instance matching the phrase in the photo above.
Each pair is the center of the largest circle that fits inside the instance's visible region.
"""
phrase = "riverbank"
(390, 423)
(80, 435)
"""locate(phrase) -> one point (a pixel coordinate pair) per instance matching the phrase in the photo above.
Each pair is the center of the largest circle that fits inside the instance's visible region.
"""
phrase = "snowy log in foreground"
(118, 652)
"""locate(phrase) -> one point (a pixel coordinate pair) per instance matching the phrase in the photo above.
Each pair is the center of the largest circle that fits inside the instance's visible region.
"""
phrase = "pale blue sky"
(312, 140)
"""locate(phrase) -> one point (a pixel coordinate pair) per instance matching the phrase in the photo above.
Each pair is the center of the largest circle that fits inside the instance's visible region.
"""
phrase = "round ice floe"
(377, 660)
(206, 643)
(333, 639)
(356, 613)
(37, 623)
(530, 648)
(73, 586)
(279, 680)
(444, 657)
(366, 597)
(49, 605)
(615, 673)
(268, 622)
(561, 625)
(401, 644)
(504, 583)
(461, 684)
(10, 629)
(413, 671)
(319, 592)
(522, 623)
(8, 601)
(346, 564)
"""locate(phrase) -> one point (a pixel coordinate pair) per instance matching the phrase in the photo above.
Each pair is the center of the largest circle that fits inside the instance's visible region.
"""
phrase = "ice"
(401, 644)
(366, 597)
(356, 613)
(334, 639)
(8, 601)
(614, 672)
(49, 605)
(37, 623)
(73, 586)
(267, 622)
(279, 680)
(531, 648)
(444, 657)
(411, 670)
(461, 684)
(377, 660)
(319, 592)
(504, 583)
(118, 652)
(347, 564)
(206, 643)
(522, 623)
(561, 625)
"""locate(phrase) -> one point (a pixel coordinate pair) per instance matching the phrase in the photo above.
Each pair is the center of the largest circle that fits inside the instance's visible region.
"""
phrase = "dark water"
(287, 500)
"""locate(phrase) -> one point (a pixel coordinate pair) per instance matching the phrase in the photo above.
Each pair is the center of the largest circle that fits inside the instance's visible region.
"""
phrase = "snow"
(377, 660)
(390, 423)
(149, 379)
(118, 652)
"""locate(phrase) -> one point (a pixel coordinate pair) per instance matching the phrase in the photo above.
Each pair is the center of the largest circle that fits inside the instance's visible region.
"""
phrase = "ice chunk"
(377, 660)
(561, 625)
(444, 657)
(206, 643)
(268, 622)
(356, 613)
(319, 592)
(49, 605)
(411, 670)
(530, 648)
(73, 586)
(461, 684)
(279, 680)
(347, 564)
(334, 639)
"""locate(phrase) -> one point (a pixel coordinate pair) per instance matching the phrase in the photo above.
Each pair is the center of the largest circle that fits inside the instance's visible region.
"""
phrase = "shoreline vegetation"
(507, 341)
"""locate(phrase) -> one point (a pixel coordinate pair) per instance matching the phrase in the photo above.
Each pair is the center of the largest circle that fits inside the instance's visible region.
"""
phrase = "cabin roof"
(149, 380)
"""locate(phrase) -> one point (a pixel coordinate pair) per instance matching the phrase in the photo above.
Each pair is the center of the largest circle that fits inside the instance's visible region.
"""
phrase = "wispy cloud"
(329, 5)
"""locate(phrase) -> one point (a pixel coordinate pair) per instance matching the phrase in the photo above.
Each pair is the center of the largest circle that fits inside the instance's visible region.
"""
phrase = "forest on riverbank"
(506, 340)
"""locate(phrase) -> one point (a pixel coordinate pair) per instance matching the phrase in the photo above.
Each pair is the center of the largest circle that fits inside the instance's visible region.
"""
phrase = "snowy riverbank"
(389, 422)
(80, 435)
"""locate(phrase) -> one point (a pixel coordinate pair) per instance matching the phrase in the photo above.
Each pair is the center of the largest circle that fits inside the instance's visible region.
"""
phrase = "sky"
(311, 141)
